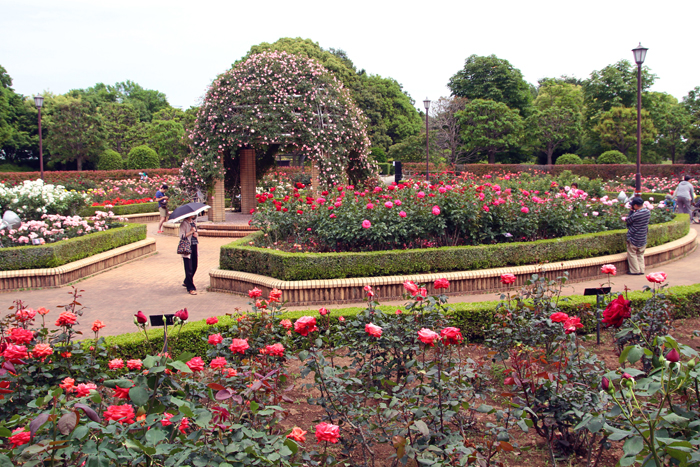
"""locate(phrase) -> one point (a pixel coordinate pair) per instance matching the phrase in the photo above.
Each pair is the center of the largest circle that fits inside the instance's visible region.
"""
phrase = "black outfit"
(191, 263)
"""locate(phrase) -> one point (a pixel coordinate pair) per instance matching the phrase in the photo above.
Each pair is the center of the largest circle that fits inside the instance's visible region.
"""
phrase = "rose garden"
(518, 381)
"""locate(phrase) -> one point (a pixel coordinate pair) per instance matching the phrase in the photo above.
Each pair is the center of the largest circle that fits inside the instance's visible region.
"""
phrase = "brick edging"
(71, 272)
(332, 291)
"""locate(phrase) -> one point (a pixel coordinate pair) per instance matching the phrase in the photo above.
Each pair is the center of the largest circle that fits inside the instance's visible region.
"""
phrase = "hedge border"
(139, 208)
(60, 177)
(472, 318)
(52, 255)
(604, 171)
(240, 256)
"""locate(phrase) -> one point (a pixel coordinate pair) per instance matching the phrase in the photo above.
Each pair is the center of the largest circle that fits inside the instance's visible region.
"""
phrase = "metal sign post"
(599, 292)
(163, 320)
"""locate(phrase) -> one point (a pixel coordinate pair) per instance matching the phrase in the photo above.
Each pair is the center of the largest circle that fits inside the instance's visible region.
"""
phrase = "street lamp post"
(426, 103)
(640, 54)
(39, 101)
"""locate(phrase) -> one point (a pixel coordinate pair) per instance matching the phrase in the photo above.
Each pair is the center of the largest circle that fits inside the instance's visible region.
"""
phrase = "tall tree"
(489, 127)
(121, 126)
(74, 131)
(166, 137)
(448, 131)
(617, 128)
(671, 120)
(492, 78)
(146, 101)
(556, 120)
(19, 135)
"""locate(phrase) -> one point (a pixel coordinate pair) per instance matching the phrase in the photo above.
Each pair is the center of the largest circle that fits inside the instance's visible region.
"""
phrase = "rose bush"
(459, 211)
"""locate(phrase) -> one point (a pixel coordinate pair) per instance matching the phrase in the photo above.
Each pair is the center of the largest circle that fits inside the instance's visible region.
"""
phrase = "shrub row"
(604, 171)
(472, 318)
(386, 168)
(122, 210)
(240, 256)
(61, 177)
(52, 255)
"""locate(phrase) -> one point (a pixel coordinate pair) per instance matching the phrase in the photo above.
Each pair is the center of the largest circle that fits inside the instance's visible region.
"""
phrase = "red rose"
(559, 317)
(507, 279)
(182, 315)
(239, 346)
(274, 350)
(323, 311)
(212, 320)
(255, 293)
(67, 384)
(451, 336)
(373, 330)
(116, 364)
(19, 437)
(608, 269)
(134, 364)
(616, 312)
(275, 295)
(15, 353)
(327, 432)
(97, 325)
(305, 325)
(411, 287)
(215, 339)
(83, 390)
(441, 284)
(21, 336)
(141, 318)
(572, 324)
(121, 393)
(196, 364)
(657, 277)
(119, 413)
(218, 362)
(66, 319)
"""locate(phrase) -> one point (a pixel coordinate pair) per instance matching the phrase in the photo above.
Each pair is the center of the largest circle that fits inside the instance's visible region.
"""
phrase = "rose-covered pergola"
(273, 102)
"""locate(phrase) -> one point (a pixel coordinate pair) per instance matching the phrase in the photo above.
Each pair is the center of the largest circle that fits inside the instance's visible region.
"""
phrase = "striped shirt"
(637, 227)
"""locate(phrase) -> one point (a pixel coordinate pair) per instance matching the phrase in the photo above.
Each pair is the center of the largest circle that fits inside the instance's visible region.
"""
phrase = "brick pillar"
(217, 201)
(248, 181)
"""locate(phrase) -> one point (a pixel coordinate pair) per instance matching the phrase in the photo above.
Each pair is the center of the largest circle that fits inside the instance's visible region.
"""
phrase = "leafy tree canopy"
(489, 127)
(494, 79)
(617, 128)
(145, 101)
(74, 131)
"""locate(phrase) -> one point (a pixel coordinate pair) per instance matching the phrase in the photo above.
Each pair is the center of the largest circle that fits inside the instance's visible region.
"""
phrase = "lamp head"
(426, 103)
(38, 101)
(640, 53)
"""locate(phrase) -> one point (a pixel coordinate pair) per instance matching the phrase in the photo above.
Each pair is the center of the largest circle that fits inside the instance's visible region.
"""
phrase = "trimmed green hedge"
(240, 256)
(52, 255)
(472, 318)
(121, 210)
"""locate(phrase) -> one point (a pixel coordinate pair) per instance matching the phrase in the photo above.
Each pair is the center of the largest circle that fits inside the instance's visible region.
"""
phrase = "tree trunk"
(492, 157)
(549, 156)
(79, 160)
(673, 154)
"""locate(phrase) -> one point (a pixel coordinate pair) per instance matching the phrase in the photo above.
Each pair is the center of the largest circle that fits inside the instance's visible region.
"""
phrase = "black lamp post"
(426, 103)
(39, 101)
(640, 54)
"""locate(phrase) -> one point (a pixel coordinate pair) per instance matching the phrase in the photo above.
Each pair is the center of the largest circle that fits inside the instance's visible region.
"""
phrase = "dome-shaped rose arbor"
(273, 102)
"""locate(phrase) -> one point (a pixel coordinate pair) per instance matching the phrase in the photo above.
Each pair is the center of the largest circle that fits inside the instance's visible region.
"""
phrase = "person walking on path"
(188, 230)
(162, 206)
(637, 227)
(684, 196)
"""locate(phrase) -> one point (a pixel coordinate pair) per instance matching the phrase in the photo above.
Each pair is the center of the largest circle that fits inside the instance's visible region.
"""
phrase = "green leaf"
(633, 446)
(138, 395)
(422, 427)
(181, 366)
(155, 436)
(623, 355)
(185, 357)
(5, 461)
(673, 418)
(186, 411)
(635, 354)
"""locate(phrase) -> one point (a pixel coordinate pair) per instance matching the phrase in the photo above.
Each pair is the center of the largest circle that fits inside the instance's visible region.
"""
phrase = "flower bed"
(650, 184)
(51, 255)
(461, 211)
(398, 385)
(240, 255)
(32, 199)
(122, 202)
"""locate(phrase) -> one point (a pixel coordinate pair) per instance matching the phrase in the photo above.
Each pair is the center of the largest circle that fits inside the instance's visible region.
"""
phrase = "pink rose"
(441, 284)
(657, 277)
(428, 336)
(366, 224)
(215, 339)
(608, 269)
(305, 325)
(436, 210)
(402, 214)
(507, 279)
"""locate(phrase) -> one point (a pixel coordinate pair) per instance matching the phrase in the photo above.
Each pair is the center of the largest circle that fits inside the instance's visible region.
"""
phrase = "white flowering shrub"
(32, 199)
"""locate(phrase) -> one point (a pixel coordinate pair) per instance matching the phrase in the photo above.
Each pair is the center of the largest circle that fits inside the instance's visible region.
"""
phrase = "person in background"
(637, 227)
(684, 195)
(188, 229)
(162, 200)
(144, 177)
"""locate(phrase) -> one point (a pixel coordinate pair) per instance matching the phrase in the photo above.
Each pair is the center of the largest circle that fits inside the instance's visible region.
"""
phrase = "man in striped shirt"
(637, 227)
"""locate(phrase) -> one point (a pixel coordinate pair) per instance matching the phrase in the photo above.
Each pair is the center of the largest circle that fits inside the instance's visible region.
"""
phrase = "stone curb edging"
(71, 272)
(334, 291)
(142, 217)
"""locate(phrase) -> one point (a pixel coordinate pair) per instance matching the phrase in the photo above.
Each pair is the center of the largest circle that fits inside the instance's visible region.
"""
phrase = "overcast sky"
(178, 47)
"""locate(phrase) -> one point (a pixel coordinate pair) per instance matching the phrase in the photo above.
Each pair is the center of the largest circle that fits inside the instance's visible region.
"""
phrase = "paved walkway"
(153, 285)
